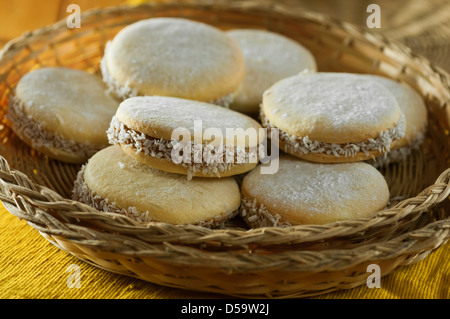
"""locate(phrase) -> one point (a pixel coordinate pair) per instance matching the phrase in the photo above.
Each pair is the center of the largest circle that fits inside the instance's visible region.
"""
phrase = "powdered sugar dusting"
(314, 189)
(340, 101)
(39, 137)
(317, 185)
(172, 113)
(126, 91)
(177, 56)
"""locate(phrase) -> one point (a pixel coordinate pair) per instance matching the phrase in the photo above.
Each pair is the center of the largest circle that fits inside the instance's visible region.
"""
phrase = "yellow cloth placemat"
(33, 268)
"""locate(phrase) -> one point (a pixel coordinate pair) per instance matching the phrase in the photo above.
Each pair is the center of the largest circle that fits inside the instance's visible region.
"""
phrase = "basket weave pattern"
(267, 262)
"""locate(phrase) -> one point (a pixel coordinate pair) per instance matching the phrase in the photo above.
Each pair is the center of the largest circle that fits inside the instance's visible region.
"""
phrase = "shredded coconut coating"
(225, 101)
(203, 158)
(83, 194)
(124, 91)
(121, 92)
(398, 154)
(39, 137)
(256, 215)
(304, 145)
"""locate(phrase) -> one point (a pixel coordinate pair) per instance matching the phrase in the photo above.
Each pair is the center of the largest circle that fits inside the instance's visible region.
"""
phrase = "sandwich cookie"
(185, 136)
(112, 181)
(415, 111)
(332, 117)
(269, 57)
(62, 112)
(302, 192)
(173, 57)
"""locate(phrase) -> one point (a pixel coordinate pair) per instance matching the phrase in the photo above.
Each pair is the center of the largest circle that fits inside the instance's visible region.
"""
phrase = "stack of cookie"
(331, 127)
(61, 112)
(173, 89)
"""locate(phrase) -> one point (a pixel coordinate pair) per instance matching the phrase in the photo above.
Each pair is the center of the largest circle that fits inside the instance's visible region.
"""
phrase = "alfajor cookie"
(61, 112)
(173, 57)
(269, 57)
(112, 181)
(303, 192)
(413, 107)
(185, 136)
(332, 117)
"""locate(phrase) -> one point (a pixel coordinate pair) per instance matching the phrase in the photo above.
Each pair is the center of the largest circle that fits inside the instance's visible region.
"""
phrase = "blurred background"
(423, 25)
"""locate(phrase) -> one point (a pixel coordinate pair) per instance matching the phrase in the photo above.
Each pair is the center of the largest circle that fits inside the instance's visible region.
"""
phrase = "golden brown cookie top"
(167, 197)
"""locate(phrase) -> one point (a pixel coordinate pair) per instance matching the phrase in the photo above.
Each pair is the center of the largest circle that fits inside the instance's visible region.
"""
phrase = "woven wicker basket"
(271, 262)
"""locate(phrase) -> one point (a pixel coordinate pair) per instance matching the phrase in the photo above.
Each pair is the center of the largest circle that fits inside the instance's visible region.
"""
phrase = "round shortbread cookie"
(173, 57)
(61, 112)
(333, 117)
(302, 192)
(185, 136)
(113, 181)
(413, 107)
(269, 57)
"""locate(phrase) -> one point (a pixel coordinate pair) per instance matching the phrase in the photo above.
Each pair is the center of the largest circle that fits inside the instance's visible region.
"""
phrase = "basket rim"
(16, 185)
(432, 195)
(415, 242)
